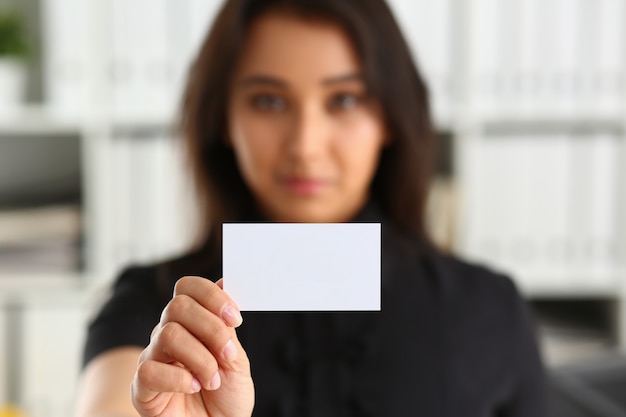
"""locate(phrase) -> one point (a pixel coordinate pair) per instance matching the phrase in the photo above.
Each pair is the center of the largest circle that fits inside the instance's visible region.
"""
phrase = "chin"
(307, 212)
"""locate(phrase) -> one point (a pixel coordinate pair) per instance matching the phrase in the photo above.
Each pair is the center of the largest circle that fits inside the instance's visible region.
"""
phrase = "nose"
(308, 134)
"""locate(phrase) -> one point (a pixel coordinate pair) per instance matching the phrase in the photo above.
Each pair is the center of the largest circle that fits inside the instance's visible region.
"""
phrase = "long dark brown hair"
(401, 183)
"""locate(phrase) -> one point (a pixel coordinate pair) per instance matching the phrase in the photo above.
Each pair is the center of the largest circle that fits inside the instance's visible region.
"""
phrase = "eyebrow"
(343, 79)
(277, 82)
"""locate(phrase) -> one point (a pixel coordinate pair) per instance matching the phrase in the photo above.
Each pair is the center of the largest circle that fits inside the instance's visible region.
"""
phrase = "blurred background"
(529, 99)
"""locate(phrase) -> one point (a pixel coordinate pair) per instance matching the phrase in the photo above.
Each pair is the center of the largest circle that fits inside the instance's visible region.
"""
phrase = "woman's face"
(306, 136)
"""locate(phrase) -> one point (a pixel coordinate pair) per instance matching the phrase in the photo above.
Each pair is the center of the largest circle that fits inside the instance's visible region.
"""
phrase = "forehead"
(295, 49)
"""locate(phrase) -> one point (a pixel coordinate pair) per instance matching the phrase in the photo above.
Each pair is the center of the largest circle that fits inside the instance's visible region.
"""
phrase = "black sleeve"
(128, 316)
(529, 394)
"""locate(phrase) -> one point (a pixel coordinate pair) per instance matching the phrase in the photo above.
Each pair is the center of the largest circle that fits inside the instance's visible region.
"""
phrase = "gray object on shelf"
(595, 389)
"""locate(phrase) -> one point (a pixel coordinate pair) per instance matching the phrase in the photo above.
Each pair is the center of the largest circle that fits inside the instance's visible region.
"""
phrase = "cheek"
(255, 147)
(359, 150)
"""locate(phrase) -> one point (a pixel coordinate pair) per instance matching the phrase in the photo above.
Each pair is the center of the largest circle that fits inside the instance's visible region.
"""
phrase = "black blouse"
(452, 339)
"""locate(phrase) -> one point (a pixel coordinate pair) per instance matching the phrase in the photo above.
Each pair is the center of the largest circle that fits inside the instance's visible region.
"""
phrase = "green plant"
(13, 42)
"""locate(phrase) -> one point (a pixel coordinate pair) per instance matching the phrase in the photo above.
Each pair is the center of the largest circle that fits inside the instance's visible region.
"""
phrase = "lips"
(304, 186)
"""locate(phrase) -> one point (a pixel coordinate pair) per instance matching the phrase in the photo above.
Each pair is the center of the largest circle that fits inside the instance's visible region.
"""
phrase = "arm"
(104, 389)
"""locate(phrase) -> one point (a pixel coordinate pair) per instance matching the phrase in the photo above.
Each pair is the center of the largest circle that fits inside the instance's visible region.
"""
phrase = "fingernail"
(215, 381)
(232, 316)
(195, 385)
(230, 351)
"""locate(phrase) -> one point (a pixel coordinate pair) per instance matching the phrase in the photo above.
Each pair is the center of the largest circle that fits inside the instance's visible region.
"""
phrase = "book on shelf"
(537, 56)
(566, 345)
(141, 68)
(65, 38)
(527, 55)
(146, 48)
(40, 240)
(572, 331)
(151, 203)
(543, 207)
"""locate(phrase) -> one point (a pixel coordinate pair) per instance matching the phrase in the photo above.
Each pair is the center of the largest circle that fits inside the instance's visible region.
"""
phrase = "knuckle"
(155, 331)
(195, 287)
(146, 373)
(221, 334)
(177, 307)
(208, 365)
(143, 356)
(182, 284)
(218, 334)
(170, 332)
(179, 379)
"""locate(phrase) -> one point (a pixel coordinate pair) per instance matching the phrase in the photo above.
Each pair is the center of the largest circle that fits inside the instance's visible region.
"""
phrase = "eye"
(344, 101)
(268, 102)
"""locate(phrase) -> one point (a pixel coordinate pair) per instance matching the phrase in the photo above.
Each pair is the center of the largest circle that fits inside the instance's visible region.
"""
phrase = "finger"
(220, 283)
(174, 343)
(203, 325)
(153, 377)
(211, 297)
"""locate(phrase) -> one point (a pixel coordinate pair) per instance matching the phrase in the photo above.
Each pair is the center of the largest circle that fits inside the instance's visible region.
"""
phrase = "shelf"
(36, 120)
(574, 330)
(40, 281)
(573, 114)
(39, 120)
(538, 120)
(50, 289)
(539, 292)
(566, 286)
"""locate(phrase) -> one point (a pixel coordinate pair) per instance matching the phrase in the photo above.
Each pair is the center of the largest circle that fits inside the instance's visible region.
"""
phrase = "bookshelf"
(498, 91)
(536, 109)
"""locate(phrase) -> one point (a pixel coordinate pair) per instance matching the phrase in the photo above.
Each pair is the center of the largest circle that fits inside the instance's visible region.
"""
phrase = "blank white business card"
(303, 266)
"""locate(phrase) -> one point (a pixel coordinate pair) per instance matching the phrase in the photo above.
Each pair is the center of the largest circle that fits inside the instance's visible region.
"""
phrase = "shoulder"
(466, 279)
(491, 334)
(135, 277)
(134, 285)
(157, 279)
(451, 274)
(456, 280)
(478, 298)
(137, 286)
(133, 297)
(126, 314)
(132, 307)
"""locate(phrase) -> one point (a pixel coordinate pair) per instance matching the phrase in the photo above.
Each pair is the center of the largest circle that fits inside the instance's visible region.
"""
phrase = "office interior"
(529, 102)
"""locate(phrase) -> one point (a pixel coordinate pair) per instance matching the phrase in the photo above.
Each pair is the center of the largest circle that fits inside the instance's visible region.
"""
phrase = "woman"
(312, 111)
